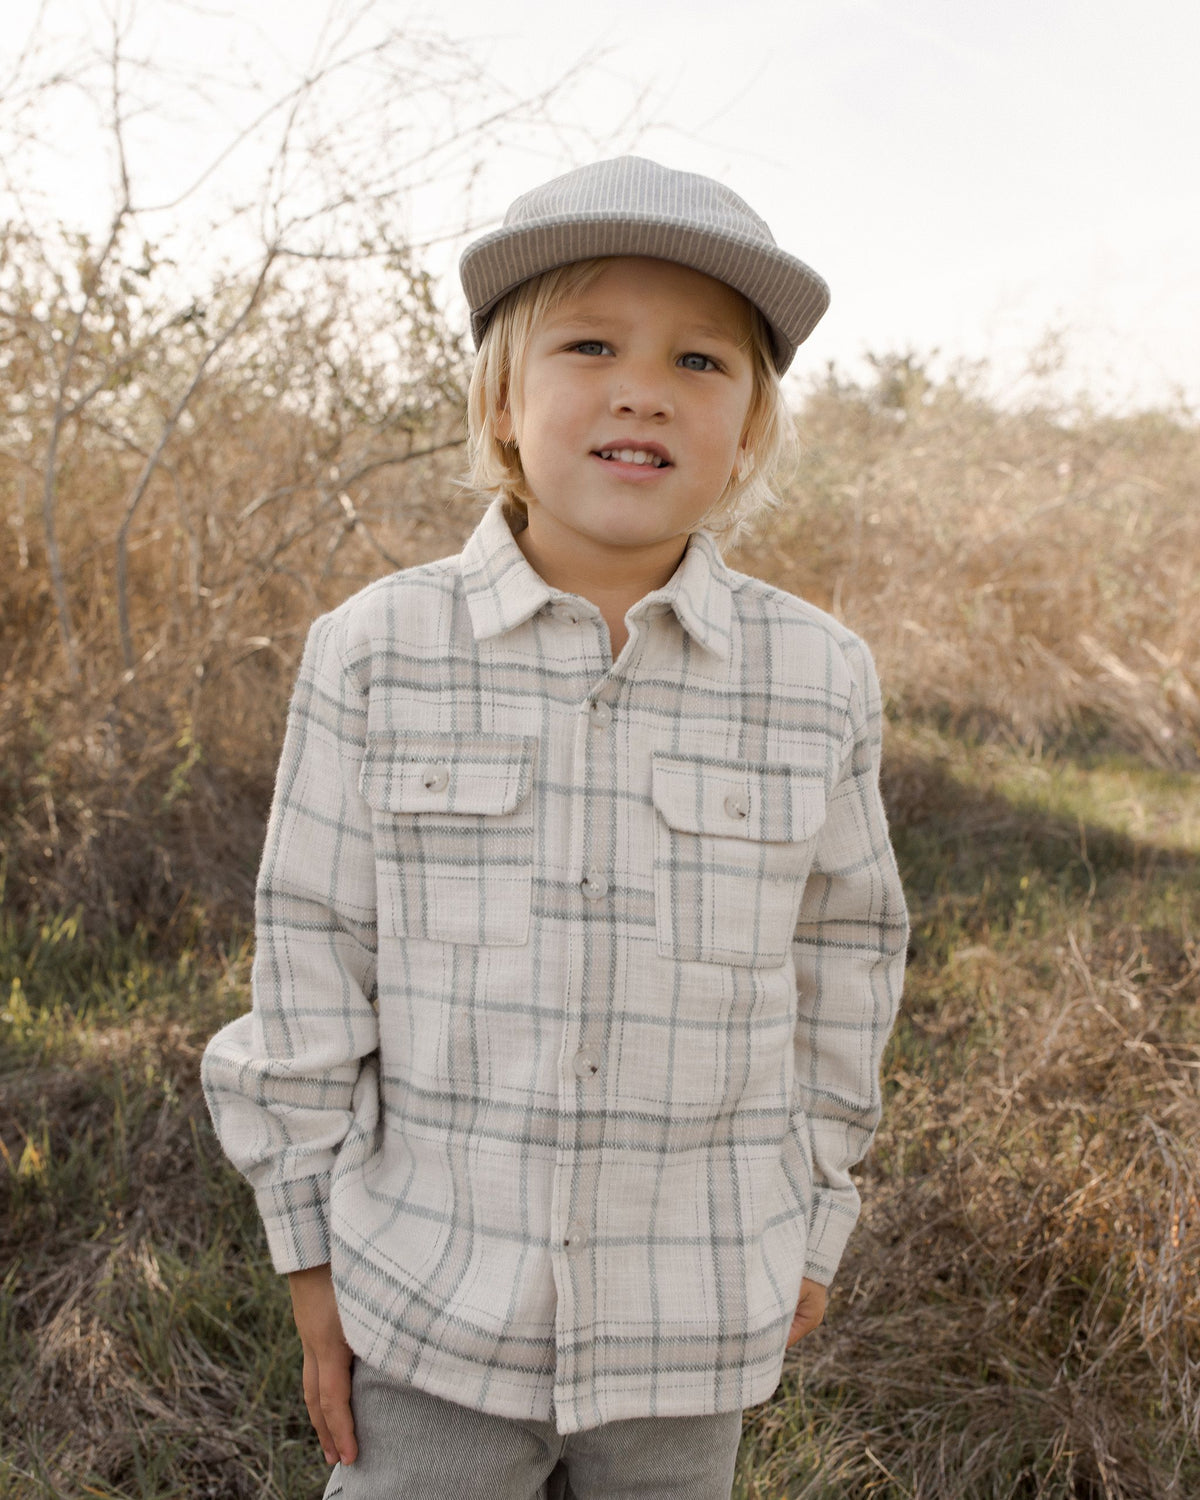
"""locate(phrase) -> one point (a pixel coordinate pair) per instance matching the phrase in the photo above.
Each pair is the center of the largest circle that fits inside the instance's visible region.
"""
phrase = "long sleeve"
(286, 1084)
(849, 949)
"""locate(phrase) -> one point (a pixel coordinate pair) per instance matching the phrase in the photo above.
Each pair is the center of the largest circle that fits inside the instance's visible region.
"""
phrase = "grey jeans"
(412, 1446)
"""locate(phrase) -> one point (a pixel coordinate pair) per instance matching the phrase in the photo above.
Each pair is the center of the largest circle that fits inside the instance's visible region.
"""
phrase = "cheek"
(742, 425)
(527, 412)
(555, 416)
(727, 431)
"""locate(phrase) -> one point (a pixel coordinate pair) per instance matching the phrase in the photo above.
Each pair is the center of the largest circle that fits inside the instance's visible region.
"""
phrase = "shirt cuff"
(295, 1216)
(831, 1223)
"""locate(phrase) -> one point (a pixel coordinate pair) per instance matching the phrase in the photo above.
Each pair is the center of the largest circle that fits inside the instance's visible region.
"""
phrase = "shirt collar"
(503, 590)
(700, 591)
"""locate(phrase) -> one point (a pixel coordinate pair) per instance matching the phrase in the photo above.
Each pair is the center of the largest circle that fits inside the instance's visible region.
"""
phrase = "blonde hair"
(494, 465)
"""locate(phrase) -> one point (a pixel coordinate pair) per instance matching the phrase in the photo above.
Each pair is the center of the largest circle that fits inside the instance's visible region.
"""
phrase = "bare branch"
(385, 461)
(21, 61)
(58, 417)
(359, 365)
(152, 462)
(390, 460)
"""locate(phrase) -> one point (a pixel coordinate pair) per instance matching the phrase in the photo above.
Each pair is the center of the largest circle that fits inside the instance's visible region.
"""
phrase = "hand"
(809, 1310)
(327, 1358)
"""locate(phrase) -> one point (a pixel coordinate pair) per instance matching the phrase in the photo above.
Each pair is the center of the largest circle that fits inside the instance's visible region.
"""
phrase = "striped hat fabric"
(633, 206)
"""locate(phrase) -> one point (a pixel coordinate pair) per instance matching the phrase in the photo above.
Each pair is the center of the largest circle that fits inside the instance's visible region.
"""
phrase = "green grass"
(1018, 1313)
(148, 1345)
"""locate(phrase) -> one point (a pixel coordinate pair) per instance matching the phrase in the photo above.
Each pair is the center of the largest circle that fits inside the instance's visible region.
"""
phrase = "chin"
(631, 536)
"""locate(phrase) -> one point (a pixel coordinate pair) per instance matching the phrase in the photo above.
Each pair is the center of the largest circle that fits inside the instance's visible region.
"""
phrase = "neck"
(610, 577)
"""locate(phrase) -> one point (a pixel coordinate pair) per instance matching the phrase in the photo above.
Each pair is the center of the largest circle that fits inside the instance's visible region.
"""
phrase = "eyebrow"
(716, 331)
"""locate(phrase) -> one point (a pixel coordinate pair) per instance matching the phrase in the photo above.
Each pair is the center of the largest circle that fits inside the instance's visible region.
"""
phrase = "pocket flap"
(771, 802)
(409, 772)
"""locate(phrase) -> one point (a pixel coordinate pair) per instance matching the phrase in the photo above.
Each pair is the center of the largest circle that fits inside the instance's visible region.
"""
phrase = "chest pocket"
(733, 845)
(452, 816)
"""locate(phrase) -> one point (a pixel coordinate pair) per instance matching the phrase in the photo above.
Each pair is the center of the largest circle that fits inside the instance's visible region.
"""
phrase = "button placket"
(583, 1064)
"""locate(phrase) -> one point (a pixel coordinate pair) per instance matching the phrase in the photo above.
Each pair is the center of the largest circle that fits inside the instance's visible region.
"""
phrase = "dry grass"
(1020, 575)
(1018, 1315)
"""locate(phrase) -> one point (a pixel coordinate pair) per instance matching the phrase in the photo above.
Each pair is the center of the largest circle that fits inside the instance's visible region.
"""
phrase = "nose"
(642, 391)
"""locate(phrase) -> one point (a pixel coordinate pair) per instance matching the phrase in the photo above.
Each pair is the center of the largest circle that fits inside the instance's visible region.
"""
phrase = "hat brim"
(791, 296)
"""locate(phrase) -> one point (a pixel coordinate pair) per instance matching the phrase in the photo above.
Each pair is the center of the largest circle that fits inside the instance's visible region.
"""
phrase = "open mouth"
(633, 456)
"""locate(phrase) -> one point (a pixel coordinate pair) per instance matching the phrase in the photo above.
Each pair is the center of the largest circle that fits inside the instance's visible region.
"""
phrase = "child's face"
(652, 361)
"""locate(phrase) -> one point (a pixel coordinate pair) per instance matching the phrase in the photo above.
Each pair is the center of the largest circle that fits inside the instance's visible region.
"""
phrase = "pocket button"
(435, 778)
(736, 805)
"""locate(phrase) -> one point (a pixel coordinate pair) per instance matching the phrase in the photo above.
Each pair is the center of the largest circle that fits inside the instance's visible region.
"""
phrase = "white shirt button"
(587, 1062)
(575, 1238)
(594, 885)
(736, 805)
(435, 778)
(565, 613)
(600, 715)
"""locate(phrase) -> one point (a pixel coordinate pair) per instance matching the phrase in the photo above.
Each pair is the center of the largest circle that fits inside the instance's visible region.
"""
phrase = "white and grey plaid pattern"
(571, 984)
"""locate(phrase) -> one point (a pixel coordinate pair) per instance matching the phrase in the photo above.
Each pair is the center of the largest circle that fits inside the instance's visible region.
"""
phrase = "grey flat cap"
(631, 206)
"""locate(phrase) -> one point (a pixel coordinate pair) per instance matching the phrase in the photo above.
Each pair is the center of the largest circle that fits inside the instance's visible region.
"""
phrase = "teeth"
(633, 456)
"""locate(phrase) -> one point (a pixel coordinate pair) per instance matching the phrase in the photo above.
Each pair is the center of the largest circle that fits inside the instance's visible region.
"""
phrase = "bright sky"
(966, 175)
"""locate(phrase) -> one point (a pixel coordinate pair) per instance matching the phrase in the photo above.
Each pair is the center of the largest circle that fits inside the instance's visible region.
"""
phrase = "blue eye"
(591, 347)
(697, 362)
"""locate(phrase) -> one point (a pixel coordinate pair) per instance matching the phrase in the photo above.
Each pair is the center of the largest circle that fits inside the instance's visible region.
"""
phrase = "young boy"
(579, 931)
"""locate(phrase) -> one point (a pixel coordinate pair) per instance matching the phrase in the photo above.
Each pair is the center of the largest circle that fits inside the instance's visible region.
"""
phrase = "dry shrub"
(1026, 574)
(137, 791)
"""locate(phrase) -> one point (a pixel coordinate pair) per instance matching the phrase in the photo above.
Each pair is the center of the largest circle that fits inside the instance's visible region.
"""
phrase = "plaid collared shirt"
(571, 984)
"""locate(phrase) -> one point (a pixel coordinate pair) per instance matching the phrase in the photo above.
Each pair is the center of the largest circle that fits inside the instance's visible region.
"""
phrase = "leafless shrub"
(194, 460)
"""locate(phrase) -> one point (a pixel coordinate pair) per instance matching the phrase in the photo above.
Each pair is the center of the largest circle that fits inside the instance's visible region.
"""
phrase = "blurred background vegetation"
(186, 481)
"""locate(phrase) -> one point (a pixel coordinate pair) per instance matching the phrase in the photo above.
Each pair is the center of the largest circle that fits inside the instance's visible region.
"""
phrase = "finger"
(800, 1327)
(335, 1404)
(804, 1320)
(312, 1401)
